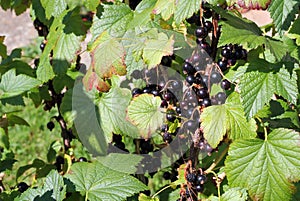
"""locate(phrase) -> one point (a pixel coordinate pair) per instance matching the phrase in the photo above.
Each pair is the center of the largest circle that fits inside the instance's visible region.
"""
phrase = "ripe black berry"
(42, 46)
(164, 128)
(82, 159)
(176, 85)
(136, 91)
(222, 64)
(190, 79)
(171, 115)
(191, 177)
(208, 25)
(215, 77)
(50, 125)
(201, 179)
(201, 32)
(22, 187)
(221, 97)
(199, 188)
(225, 84)
(168, 96)
(188, 68)
(226, 52)
(155, 92)
(164, 104)
(167, 137)
(207, 13)
(231, 62)
(206, 102)
(202, 93)
(167, 175)
(166, 61)
(204, 45)
(117, 138)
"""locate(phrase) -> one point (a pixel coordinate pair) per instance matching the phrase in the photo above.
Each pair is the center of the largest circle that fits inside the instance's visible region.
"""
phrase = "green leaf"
(217, 120)
(12, 85)
(144, 111)
(112, 109)
(4, 140)
(283, 13)
(185, 9)
(235, 194)
(66, 32)
(14, 119)
(156, 48)
(98, 182)
(265, 167)
(165, 7)
(114, 20)
(107, 56)
(262, 81)
(54, 8)
(294, 31)
(53, 189)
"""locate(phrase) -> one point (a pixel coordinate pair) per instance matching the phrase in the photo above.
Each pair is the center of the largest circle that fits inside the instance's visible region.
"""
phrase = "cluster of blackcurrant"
(230, 54)
(204, 27)
(42, 30)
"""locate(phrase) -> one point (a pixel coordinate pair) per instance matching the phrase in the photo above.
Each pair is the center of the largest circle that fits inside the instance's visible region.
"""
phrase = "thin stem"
(265, 128)
(161, 190)
(218, 160)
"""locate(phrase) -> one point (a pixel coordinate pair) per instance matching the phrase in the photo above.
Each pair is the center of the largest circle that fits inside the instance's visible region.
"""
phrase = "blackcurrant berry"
(207, 13)
(166, 61)
(190, 79)
(215, 77)
(204, 45)
(221, 97)
(82, 159)
(50, 125)
(117, 138)
(191, 177)
(164, 128)
(203, 93)
(147, 90)
(168, 96)
(167, 137)
(225, 84)
(208, 25)
(206, 102)
(22, 187)
(201, 179)
(155, 92)
(222, 64)
(178, 110)
(167, 175)
(171, 115)
(226, 52)
(201, 32)
(191, 126)
(60, 160)
(231, 62)
(188, 68)
(42, 46)
(199, 188)
(176, 85)
(164, 104)
(136, 91)
(198, 79)
(244, 54)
